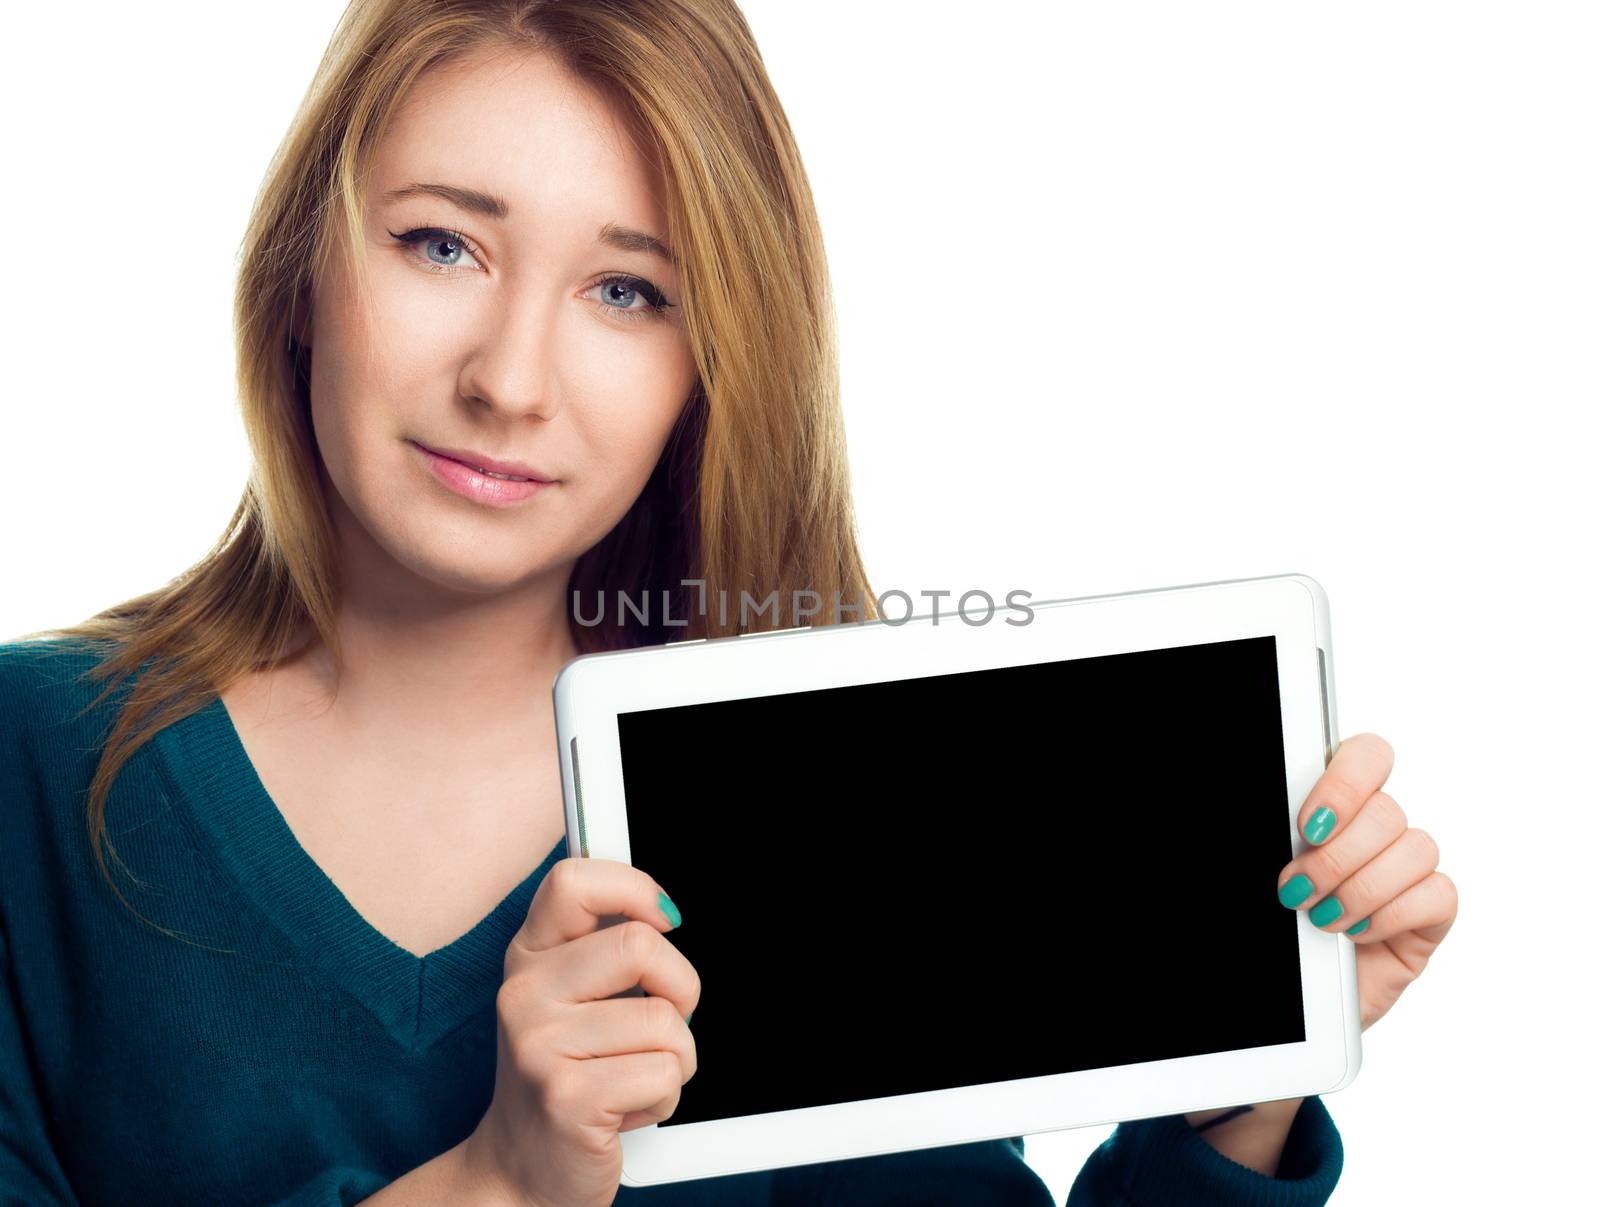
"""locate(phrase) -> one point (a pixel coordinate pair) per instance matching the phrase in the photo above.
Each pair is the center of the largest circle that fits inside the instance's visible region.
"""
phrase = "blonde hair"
(752, 490)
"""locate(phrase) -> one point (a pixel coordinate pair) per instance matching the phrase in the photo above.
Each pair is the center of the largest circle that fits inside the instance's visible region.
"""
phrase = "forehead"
(518, 124)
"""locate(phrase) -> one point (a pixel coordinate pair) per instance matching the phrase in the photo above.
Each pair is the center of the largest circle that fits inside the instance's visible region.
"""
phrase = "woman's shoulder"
(53, 717)
(28, 654)
(45, 681)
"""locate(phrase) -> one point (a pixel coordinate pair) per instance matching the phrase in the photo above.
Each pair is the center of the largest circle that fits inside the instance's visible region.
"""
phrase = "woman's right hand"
(577, 1064)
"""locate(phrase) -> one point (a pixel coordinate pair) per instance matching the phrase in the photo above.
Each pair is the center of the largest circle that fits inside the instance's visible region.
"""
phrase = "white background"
(1131, 296)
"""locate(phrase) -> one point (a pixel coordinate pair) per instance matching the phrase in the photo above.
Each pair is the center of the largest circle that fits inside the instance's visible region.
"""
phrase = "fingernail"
(670, 910)
(687, 1018)
(1359, 927)
(1320, 824)
(1296, 891)
(1325, 911)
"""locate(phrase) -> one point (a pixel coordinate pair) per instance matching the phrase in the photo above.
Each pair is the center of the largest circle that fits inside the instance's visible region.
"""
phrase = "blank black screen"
(969, 878)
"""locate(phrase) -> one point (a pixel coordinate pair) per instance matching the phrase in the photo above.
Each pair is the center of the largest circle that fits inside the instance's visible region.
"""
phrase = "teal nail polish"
(1325, 911)
(687, 1018)
(1296, 891)
(670, 910)
(1359, 927)
(1320, 824)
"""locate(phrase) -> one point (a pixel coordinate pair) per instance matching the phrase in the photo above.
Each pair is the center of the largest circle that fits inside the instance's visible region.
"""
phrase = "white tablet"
(946, 882)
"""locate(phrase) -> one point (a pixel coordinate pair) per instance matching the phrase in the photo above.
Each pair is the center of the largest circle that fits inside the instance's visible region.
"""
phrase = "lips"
(481, 461)
(489, 490)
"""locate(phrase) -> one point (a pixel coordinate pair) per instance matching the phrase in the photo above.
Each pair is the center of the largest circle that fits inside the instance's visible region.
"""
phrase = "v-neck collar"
(417, 999)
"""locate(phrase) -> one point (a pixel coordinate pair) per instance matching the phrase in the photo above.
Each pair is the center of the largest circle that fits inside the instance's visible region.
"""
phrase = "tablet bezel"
(592, 689)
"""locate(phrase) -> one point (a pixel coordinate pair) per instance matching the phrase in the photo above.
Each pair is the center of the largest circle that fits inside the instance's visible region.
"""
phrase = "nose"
(511, 369)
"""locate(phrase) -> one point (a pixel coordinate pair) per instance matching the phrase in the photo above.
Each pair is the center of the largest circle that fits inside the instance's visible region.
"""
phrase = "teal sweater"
(290, 1054)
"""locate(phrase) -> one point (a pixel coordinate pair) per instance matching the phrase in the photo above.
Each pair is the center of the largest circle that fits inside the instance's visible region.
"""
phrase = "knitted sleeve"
(30, 1172)
(990, 1173)
(338, 1187)
(1146, 1162)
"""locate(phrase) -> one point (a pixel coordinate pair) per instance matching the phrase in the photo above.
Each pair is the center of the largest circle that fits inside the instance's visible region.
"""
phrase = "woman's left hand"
(1367, 872)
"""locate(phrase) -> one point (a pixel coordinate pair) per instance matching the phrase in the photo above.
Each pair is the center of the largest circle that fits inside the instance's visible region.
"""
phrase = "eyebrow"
(488, 205)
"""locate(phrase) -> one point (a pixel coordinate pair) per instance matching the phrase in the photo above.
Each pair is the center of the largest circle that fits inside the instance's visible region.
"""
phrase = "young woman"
(338, 950)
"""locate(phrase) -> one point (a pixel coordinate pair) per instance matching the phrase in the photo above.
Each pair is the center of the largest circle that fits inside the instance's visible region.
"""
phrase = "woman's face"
(523, 335)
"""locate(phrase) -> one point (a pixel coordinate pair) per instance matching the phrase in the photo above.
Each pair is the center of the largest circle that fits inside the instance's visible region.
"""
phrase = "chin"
(473, 568)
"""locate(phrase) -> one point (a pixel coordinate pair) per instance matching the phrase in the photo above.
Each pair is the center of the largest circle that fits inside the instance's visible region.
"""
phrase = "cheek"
(329, 412)
(339, 400)
(623, 427)
(634, 388)
(629, 421)
(364, 359)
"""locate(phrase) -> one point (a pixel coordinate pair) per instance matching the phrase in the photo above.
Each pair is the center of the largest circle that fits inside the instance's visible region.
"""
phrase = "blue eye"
(630, 288)
(455, 241)
(633, 288)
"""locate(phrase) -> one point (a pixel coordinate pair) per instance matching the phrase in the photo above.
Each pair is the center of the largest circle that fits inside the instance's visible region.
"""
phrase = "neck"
(468, 663)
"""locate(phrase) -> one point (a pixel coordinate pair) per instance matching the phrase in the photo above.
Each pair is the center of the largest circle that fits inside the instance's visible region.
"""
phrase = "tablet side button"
(1327, 733)
(577, 796)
